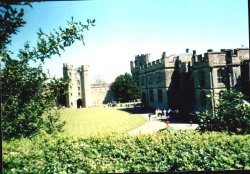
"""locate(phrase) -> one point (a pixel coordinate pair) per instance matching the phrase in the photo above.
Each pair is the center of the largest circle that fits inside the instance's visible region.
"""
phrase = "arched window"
(220, 74)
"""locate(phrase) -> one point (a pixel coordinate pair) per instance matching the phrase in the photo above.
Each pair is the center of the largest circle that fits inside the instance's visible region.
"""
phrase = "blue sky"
(126, 28)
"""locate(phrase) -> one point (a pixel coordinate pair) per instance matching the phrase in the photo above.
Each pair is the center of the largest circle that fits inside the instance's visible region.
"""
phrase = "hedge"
(167, 151)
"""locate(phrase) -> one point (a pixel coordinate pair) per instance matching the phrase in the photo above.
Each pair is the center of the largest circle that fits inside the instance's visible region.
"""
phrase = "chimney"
(187, 50)
(194, 52)
(163, 54)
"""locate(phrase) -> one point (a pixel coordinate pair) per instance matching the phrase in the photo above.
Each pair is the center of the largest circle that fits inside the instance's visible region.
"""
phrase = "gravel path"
(155, 124)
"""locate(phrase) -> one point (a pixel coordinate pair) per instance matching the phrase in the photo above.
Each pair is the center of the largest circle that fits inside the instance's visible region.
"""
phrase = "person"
(165, 112)
(162, 112)
(149, 116)
(159, 112)
(169, 111)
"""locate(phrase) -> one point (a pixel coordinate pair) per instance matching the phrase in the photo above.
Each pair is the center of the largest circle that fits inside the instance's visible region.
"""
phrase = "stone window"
(220, 74)
(235, 79)
(160, 98)
(71, 104)
(151, 95)
(203, 98)
(220, 94)
(150, 79)
(142, 81)
(202, 79)
(158, 78)
(79, 93)
(78, 88)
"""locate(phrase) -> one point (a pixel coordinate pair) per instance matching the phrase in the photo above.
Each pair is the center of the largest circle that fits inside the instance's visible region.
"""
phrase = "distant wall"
(100, 94)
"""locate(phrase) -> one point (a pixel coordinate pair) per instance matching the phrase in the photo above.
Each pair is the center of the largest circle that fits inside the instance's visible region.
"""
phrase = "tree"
(11, 20)
(232, 115)
(29, 94)
(125, 88)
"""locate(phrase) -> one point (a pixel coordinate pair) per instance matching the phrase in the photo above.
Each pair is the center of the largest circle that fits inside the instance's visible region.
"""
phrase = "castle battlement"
(150, 66)
(102, 85)
(84, 68)
(142, 56)
(220, 58)
(67, 66)
(163, 62)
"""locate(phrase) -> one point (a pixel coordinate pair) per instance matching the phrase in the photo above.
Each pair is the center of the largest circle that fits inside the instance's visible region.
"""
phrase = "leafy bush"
(167, 151)
(29, 92)
(232, 115)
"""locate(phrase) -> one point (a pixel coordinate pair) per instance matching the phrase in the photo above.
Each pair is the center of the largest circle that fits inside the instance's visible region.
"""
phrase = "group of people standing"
(164, 113)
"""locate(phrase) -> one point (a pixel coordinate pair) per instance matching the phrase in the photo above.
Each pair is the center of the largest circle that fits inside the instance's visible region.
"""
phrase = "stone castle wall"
(183, 81)
(101, 94)
(81, 93)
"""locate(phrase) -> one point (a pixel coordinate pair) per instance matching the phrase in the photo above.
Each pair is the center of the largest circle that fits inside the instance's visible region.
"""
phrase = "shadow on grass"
(172, 119)
(136, 110)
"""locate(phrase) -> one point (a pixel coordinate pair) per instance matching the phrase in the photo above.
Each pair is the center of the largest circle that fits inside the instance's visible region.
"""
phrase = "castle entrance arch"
(79, 103)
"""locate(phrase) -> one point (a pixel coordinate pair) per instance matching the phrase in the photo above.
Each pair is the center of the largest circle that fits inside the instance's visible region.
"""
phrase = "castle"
(81, 93)
(180, 81)
(184, 81)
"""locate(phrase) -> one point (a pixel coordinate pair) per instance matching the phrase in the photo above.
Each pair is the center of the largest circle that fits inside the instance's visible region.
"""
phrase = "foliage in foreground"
(232, 115)
(28, 91)
(167, 151)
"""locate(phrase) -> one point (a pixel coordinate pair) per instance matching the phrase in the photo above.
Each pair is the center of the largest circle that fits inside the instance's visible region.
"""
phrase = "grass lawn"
(90, 121)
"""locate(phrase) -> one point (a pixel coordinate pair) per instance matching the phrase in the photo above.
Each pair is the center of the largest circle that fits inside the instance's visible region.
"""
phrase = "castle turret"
(68, 72)
(85, 86)
(79, 91)
(140, 60)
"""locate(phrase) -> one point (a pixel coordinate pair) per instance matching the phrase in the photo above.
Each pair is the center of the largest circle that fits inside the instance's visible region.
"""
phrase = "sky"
(126, 28)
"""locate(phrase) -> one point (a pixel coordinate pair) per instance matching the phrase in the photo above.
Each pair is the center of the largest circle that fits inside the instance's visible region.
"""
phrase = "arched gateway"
(79, 103)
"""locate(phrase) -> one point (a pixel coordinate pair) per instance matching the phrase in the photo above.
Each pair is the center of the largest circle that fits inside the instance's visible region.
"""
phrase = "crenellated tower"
(79, 91)
(85, 86)
(135, 65)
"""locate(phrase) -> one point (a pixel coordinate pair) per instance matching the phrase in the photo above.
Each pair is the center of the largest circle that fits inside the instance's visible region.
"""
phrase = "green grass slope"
(90, 121)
